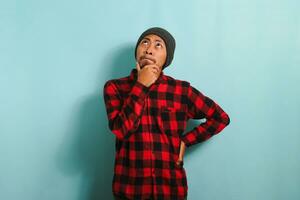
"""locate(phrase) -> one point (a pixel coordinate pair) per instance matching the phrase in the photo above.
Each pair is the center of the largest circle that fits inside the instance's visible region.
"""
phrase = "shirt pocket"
(171, 120)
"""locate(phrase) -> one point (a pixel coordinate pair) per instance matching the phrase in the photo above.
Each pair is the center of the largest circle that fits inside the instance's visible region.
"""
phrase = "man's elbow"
(226, 119)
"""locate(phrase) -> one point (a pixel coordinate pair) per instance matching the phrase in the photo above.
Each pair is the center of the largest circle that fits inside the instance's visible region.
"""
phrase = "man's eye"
(145, 42)
(158, 45)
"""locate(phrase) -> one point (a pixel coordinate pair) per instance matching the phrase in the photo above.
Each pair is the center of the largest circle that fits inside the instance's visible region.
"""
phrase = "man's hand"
(181, 153)
(148, 74)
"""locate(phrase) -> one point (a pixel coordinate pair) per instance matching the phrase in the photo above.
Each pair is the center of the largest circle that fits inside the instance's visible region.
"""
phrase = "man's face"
(151, 50)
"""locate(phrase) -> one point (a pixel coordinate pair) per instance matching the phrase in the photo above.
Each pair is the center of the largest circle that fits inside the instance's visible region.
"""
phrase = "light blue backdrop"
(56, 55)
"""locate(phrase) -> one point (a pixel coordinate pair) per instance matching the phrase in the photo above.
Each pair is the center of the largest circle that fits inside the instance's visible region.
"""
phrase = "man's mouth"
(147, 58)
(146, 61)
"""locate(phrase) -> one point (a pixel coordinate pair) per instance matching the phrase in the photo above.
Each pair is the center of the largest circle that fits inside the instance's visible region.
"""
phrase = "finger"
(179, 162)
(156, 66)
(138, 67)
(155, 69)
(155, 72)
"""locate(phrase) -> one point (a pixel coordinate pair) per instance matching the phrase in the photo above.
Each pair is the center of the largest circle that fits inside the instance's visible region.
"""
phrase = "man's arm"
(201, 106)
(124, 114)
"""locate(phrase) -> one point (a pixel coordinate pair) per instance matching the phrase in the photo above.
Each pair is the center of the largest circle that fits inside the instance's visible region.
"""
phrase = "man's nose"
(149, 50)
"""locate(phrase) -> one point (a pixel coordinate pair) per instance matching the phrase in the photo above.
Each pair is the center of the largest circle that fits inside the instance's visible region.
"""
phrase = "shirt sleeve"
(124, 115)
(199, 107)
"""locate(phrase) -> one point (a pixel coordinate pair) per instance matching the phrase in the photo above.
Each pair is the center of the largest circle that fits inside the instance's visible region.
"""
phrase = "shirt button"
(153, 171)
(153, 154)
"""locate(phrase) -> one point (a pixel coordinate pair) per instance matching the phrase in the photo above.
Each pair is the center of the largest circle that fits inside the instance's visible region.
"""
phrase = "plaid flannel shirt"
(148, 123)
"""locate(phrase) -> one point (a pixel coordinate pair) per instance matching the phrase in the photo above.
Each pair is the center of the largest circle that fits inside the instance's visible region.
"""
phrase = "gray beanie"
(168, 39)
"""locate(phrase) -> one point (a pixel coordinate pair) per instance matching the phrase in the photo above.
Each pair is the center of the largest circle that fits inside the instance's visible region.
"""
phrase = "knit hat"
(168, 39)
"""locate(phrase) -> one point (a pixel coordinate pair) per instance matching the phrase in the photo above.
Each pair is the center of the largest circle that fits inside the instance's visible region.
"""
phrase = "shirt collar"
(133, 76)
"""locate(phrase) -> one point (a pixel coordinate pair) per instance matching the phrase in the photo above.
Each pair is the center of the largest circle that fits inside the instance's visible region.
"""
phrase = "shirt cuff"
(139, 91)
(187, 141)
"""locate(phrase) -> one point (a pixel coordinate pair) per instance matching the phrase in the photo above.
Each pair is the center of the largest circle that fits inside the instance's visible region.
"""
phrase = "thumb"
(138, 67)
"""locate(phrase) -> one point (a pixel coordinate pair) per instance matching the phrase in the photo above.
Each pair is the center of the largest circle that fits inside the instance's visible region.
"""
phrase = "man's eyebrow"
(157, 40)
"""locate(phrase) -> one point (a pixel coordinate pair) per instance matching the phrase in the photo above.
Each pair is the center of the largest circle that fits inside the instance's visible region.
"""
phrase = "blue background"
(55, 57)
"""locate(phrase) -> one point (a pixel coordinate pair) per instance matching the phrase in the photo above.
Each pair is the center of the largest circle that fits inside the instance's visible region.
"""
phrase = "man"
(148, 111)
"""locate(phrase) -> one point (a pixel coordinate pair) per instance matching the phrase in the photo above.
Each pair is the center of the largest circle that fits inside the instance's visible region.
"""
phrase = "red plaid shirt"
(148, 123)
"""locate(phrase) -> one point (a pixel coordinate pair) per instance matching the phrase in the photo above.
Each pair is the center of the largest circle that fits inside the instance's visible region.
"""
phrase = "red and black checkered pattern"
(148, 123)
